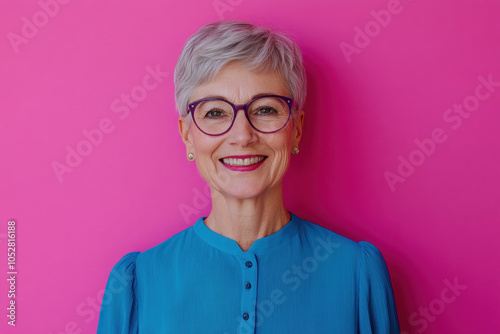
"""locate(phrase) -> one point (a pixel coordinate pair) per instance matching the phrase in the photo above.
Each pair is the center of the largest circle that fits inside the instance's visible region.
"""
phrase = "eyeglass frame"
(237, 107)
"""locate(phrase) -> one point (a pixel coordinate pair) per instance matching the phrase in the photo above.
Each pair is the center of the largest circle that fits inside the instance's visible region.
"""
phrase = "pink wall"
(387, 155)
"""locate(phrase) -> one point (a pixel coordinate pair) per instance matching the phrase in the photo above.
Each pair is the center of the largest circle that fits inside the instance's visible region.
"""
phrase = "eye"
(214, 113)
(264, 110)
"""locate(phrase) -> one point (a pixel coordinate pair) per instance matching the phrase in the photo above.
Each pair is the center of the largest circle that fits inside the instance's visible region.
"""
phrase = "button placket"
(249, 268)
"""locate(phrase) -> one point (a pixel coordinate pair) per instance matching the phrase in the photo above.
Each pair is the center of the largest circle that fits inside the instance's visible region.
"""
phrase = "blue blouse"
(301, 279)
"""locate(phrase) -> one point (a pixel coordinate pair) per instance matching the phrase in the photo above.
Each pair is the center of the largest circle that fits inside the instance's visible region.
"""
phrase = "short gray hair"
(215, 44)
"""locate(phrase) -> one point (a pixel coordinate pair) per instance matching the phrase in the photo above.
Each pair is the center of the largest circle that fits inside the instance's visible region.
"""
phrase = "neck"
(246, 220)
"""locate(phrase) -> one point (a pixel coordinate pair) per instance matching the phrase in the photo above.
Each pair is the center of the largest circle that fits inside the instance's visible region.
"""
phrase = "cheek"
(282, 155)
(204, 160)
(204, 149)
(202, 145)
(206, 167)
(282, 143)
(283, 159)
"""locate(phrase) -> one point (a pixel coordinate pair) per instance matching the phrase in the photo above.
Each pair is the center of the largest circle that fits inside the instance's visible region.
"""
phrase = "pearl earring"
(296, 150)
(190, 156)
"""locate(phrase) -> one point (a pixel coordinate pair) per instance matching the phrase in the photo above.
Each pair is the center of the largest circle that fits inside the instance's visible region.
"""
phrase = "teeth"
(242, 162)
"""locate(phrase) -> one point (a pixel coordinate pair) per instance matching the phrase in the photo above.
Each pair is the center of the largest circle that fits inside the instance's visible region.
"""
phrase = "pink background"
(364, 110)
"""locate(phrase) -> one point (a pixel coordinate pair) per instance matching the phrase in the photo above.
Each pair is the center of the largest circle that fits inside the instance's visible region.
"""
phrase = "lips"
(243, 156)
(243, 160)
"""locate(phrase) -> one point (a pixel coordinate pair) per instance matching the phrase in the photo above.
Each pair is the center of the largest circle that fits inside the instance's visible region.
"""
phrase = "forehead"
(237, 83)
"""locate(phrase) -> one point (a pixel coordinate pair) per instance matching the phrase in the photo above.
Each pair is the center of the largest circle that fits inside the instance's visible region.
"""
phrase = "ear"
(297, 129)
(184, 124)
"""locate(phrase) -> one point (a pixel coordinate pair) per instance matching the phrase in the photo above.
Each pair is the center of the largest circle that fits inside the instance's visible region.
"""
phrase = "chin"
(244, 192)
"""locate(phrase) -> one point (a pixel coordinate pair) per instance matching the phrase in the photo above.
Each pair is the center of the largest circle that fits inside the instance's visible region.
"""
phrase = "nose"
(242, 131)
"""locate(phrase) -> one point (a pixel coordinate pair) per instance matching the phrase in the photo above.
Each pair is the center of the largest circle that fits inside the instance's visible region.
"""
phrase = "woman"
(251, 266)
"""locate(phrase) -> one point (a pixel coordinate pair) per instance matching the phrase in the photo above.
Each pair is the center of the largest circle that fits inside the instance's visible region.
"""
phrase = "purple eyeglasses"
(265, 113)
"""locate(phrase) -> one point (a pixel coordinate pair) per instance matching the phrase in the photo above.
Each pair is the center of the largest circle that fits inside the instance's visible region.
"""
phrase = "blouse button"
(248, 264)
(245, 316)
(248, 285)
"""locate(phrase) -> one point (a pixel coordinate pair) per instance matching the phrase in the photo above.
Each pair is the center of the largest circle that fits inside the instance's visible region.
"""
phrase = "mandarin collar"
(259, 246)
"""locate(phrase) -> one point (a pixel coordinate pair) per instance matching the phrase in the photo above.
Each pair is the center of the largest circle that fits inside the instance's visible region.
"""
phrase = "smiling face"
(239, 85)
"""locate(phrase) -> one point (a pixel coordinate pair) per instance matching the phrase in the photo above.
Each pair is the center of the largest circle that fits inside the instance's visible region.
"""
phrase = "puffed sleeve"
(377, 308)
(118, 313)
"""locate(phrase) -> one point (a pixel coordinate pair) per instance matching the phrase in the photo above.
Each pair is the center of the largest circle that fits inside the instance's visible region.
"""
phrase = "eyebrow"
(253, 97)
